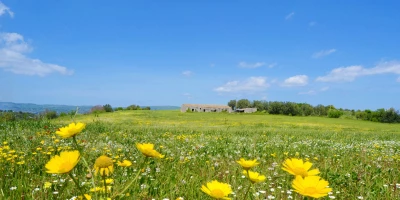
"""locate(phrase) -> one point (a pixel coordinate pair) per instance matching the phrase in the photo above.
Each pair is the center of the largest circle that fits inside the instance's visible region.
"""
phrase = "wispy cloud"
(13, 58)
(252, 84)
(298, 80)
(348, 74)
(187, 73)
(272, 65)
(188, 95)
(4, 9)
(311, 24)
(324, 89)
(251, 65)
(310, 92)
(14, 50)
(289, 16)
(323, 53)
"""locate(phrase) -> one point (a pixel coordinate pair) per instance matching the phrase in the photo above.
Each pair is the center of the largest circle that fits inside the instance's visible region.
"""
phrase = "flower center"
(310, 190)
(217, 193)
(301, 171)
(103, 162)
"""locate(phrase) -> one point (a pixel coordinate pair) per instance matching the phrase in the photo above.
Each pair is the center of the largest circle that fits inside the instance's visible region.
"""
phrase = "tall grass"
(359, 159)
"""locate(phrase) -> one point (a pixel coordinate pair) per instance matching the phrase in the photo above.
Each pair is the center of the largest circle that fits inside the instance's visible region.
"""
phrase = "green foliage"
(108, 108)
(243, 103)
(97, 109)
(134, 107)
(146, 108)
(333, 113)
(119, 108)
(50, 114)
(202, 147)
(232, 104)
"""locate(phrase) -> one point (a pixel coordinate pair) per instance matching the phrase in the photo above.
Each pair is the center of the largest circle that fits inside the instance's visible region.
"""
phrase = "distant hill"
(35, 108)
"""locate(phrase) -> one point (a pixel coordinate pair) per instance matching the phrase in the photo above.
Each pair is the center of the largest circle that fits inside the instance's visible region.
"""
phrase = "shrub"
(333, 113)
(108, 108)
(97, 109)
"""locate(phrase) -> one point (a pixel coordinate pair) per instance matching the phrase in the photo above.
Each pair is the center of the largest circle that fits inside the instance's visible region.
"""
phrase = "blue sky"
(171, 52)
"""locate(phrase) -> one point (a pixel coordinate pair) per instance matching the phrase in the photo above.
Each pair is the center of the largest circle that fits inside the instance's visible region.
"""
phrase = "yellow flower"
(254, 176)
(247, 164)
(104, 164)
(296, 166)
(71, 130)
(63, 163)
(217, 190)
(312, 186)
(47, 185)
(87, 197)
(125, 163)
(109, 181)
(147, 149)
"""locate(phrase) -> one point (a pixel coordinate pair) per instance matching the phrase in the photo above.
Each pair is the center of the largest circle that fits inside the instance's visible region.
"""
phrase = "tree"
(243, 103)
(275, 107)
(258, 104)
(307, 109)
(108, 108)
(232, 104)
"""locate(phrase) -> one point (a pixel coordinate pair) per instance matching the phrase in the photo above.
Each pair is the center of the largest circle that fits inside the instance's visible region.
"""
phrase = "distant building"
(205, 108)
(246, 110)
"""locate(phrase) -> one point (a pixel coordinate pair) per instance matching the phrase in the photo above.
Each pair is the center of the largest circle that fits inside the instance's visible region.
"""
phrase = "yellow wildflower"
(217, 190)
(104, 164)
(312, 186)
(47, 185)
(147, 149)
(247, 164)
(296, 166)
(71, 130)
(125, 163)
(254, 176)
(63, 163)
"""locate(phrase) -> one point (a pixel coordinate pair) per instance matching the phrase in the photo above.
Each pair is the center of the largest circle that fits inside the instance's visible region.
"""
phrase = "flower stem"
(129, 184)
(77, 185)
(248, 176)
(84, 161)
(105, 186)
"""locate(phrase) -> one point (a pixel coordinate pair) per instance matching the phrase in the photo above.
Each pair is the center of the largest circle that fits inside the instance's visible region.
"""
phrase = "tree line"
(304, 109)
(9, 115)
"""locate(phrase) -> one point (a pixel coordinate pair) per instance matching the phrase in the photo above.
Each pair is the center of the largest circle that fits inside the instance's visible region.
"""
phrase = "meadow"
(359, 159)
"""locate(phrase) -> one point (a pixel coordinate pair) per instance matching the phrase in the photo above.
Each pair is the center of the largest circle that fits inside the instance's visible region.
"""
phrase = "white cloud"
(4, 9)
(188, 95)
(298, 80)
(13, 58)
(324, 89)
(348, 74)
(251, 65)
(187, 73)
(289, 16)
(312, 23)
(249, 85)
(272, 65)
(310, 92)
(323, 53)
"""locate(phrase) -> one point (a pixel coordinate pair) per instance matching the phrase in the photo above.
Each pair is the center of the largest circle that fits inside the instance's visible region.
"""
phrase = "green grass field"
(359, 159)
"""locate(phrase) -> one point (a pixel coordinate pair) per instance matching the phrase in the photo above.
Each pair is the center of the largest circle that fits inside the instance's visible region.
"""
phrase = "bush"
(333, 113)
(97, 109)
(119, 108)
(108, 108)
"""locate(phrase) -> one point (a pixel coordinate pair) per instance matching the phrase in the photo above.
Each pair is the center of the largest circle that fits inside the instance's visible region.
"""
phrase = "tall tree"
(232, 104)
(243, 103)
